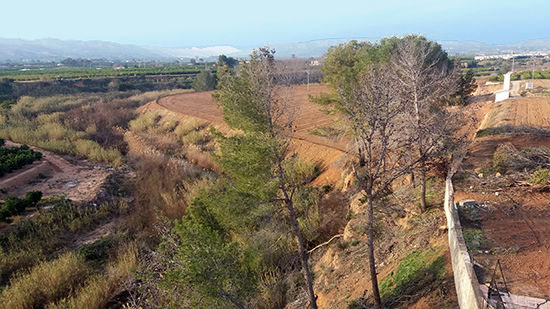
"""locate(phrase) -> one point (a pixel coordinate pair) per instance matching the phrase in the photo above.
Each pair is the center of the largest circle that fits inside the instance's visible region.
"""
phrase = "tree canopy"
(204, 81)
(228, 61)
(393, 95)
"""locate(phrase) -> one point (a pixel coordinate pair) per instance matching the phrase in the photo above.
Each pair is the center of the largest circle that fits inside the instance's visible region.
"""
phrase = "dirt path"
(514, 92)
(54, 175)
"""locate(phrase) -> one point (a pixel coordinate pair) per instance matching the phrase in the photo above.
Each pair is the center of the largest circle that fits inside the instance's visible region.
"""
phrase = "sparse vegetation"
(416, 271)
(30, 241)
(507, 157)
(541, 176)
(474, 238)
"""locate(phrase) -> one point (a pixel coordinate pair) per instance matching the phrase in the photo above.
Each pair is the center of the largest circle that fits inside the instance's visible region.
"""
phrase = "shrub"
(507, 157)
(15, 206)
(541, 176)
(33, 197)
(12, 158)
(168, 126)
(144, 122)
(94, 152)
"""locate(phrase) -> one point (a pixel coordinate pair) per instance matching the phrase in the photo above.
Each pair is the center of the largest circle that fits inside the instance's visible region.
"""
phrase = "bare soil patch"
(515, 224)
(485, 87)
(54, 175)
(533, 111)
(513, 218)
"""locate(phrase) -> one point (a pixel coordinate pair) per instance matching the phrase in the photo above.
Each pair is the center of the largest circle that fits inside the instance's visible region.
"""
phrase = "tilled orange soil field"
(308, 117)
(516, 220)
(530, 112)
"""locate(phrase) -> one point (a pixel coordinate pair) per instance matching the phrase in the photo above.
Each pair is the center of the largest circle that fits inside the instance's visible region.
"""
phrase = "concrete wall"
(502, 95)
(467, 286)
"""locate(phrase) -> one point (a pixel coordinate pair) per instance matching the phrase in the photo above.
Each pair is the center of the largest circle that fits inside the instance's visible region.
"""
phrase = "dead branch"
(325, 243)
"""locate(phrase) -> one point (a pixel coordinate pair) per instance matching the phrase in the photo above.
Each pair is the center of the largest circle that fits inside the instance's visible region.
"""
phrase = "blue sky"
(244, 24)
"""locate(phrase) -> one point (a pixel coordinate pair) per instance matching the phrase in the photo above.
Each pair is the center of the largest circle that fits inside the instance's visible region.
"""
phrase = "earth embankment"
(320, 149)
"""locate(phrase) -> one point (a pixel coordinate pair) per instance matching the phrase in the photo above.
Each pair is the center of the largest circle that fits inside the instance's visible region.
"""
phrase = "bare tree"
(375, 110)
(426, 77)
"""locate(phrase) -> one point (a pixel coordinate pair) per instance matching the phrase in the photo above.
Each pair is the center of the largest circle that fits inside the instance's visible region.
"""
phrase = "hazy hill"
(56, 50)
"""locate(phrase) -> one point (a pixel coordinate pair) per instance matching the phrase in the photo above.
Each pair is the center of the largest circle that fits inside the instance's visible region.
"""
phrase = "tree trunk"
(370, 244)
(360, 153)
(303, 255)
(423, 188)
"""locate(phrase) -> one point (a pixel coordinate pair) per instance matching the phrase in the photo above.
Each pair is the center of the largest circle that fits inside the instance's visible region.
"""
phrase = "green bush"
(13, 206)
(33, 197)
(13, 158)
(541, 176)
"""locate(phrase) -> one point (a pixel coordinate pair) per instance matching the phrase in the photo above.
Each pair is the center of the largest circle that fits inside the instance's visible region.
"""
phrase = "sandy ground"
(78, 182)
(309, 116)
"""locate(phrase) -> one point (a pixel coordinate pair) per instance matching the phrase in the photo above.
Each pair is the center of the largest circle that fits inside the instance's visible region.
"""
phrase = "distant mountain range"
(56, 50)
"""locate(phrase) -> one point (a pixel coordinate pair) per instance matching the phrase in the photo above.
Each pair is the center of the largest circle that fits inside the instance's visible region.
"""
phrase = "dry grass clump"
(144, 122)
(168, 126)
(187, 127)
(99, 290)
(46, 132)
(147, 97)
(30, 106)
(202, 159)
(56, 117)
(302, 170)
(22, 257)
(94, 152)
(196, 138)
(44, 283)
(159, 185)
